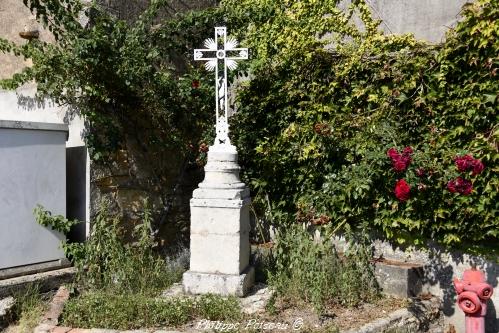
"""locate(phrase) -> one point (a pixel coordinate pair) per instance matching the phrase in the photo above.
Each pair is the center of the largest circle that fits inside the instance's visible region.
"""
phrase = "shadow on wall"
(129, 10)
(442, 267)
(30, 103)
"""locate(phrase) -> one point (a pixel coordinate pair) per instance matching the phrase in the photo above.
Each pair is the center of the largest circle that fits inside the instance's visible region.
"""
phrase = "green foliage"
(124, 311)
(128, 311)
(131, 82)
(118, 282)
(57, 222)
(315, 122)
(326, 101)
(311, 270)
(106, 261)
(120, 77)
(214, 307)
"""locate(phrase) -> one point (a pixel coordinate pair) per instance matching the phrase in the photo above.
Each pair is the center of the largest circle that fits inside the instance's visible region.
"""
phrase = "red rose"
(402, 190)
(392, 153)
(195, 84)
(451, 186)
(460, 185)
(407, 151)
(399, 165)
(400, 162)
(468, 163)
(477, 167)
(466, 187)
(464, 163)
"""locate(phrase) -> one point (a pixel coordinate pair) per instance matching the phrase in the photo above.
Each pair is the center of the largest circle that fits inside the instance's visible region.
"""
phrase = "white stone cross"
(221, 54)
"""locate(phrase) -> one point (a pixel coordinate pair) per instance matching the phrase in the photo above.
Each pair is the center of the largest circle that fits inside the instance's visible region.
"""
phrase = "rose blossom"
(407, 151)
(400, 162)
(402, 190)
(467, 163)
(392, 153)
(477, 167)
(464, 163)
(460, 185)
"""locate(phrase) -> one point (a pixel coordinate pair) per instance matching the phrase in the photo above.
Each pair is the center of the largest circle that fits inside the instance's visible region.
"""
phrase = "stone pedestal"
(220, 248)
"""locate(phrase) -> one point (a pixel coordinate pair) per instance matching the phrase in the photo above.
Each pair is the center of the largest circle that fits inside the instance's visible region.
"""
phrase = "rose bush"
(315, 125)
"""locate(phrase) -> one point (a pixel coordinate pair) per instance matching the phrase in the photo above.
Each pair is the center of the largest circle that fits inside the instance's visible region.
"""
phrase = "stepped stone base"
(220, 225)
(220, 284)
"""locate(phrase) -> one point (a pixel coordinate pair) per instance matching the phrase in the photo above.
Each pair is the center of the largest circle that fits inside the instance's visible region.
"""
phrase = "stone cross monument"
(220, 249)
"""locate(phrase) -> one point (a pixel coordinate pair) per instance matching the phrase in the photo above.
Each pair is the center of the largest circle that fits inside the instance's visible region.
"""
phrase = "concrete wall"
(426, 19)
(32, 171)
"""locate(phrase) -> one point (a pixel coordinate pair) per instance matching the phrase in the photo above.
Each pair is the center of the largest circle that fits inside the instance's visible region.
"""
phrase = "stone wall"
(135, 174)
(132, 177)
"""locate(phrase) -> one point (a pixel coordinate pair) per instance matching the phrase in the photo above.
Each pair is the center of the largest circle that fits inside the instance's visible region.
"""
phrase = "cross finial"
(221, 54)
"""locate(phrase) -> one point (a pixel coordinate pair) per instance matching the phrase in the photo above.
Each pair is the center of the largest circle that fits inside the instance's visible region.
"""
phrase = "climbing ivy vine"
(353, 129)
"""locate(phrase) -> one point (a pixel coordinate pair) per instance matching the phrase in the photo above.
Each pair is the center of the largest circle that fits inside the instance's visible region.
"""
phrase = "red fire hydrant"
(472, 296)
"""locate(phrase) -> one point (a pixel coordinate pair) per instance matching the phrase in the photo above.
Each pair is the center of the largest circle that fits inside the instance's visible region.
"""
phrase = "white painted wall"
(32, 171)
(21, 105)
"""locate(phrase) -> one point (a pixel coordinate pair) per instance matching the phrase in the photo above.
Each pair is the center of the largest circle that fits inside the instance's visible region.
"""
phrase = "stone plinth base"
(220, 284)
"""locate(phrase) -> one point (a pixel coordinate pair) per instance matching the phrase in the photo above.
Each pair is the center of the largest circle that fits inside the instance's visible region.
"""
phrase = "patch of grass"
(214, 307)
(29, 306)
(119, 311)
(124, 312)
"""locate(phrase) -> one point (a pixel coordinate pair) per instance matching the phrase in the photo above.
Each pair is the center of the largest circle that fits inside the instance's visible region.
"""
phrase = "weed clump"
(310, 269)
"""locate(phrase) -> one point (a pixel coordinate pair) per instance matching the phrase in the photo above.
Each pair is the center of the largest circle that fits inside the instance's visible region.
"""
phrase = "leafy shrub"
(315, 123)
(311, 270)
(106, 261)
(327, 100)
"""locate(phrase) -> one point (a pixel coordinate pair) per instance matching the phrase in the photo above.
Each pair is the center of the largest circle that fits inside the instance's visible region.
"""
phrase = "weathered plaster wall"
(426, 19)
(14, 18)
